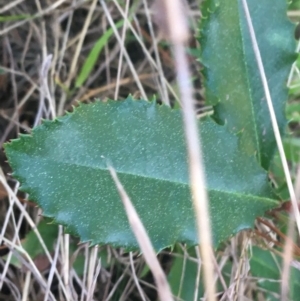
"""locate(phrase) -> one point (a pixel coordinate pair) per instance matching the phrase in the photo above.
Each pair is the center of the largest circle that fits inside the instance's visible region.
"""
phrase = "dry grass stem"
(178, 30)
(94, 282)
(16, 201)
(10, 5)
(36, 272)
(156, 64)
(66, 262)
(49, 9)
(122, 48)
(288, 249)
(273, 116)
(25, 291)
(113, 290)
(197, 282)
(135, 278)
(144, 242)
(80, 42)
(162, 80)
(45, 92)
(91, 271)
(126, 55)
(53, 267)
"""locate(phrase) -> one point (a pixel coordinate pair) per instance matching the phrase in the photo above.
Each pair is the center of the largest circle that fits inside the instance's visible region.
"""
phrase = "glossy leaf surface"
(63, 167)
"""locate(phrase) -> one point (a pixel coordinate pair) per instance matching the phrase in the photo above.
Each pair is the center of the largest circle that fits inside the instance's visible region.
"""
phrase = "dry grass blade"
(125, 53)
(26, 286)
(36, 272)
(91, 273)
(53, 267)
(49, 9)
(33, 226)
(178, 31)
(80, 42)
(121, 52)
(10, 5)
(198, 276)
(45, 92)
(144, 242)
(164, 91)
(155, 63)
(135, 278)
(66, 263)
(289, 246)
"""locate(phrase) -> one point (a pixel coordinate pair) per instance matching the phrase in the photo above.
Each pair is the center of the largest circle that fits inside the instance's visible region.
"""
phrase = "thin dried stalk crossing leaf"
(144, 242)
(272, 115)
(288, 246)
(177, 27)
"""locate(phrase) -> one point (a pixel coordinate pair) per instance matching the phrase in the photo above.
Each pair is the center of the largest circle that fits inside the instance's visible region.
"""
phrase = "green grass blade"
(93, 56)
(15, 18)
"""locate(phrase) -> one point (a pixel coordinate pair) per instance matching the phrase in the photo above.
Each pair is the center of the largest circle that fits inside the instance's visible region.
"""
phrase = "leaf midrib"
(232, 193)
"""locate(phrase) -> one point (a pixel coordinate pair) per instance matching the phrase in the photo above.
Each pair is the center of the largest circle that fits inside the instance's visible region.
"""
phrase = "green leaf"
(294, 4)
(63, 167)
(267, 267)
(292, 149)
(293, 112)
(231, 76)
